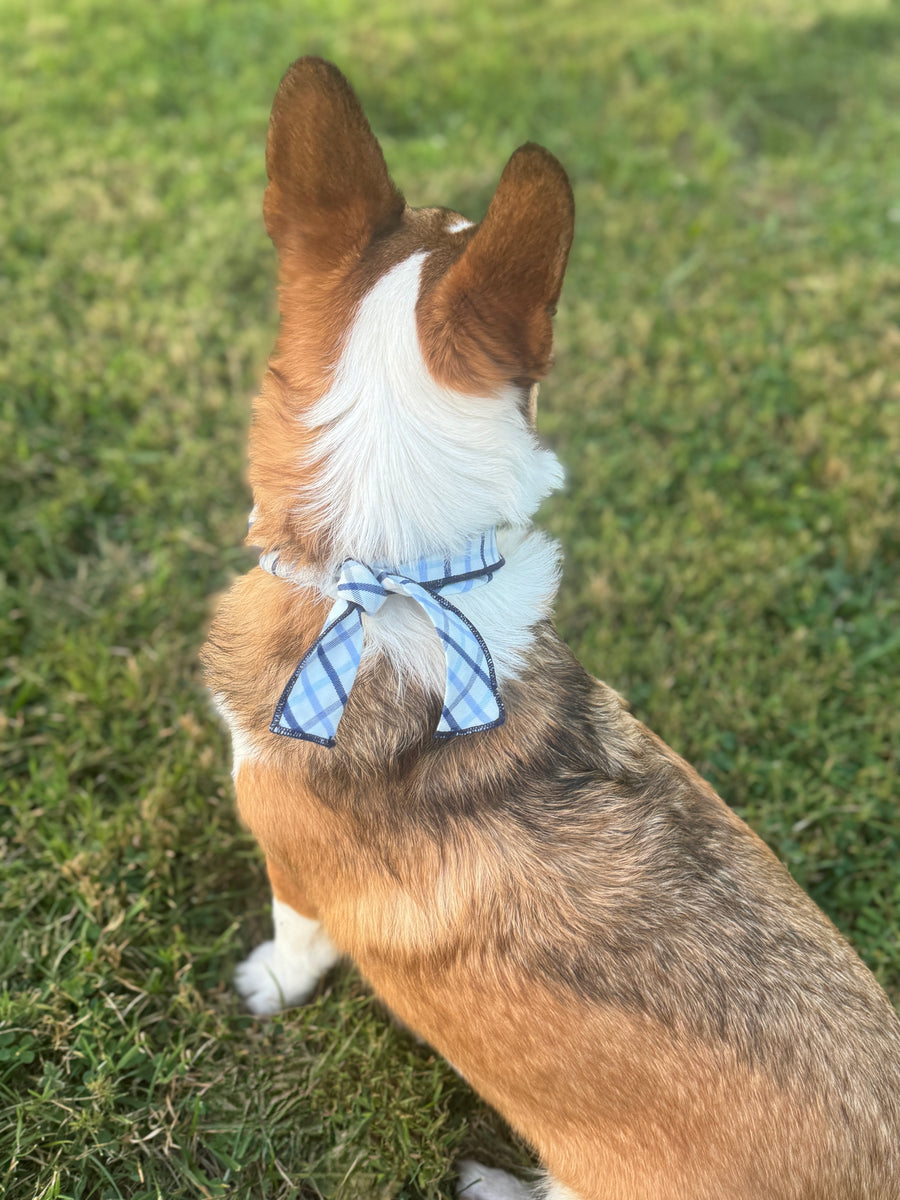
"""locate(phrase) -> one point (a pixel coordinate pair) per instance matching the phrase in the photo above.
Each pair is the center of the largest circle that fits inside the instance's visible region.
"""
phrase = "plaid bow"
(313, 702)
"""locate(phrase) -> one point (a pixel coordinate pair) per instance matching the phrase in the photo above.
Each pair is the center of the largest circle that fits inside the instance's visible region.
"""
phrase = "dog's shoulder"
(261, 627)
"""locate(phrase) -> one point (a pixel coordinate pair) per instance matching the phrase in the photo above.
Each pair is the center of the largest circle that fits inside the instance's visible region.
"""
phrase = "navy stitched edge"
(282, 702)
(432, 586)
(445, 603)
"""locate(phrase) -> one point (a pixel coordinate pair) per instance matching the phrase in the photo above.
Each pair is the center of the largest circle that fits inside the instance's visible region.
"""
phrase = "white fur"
(406, 467)
(556, 1191)
(477, 1182)
(284, 971)
(243, 747)
(457, 224)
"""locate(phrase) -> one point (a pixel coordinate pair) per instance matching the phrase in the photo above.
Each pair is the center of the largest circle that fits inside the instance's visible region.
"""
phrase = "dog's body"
(559, 904)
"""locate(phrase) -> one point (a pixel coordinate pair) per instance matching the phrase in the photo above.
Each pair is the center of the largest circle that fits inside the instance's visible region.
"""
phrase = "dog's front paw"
(485, 1183)
(270, 979)
(283, 972)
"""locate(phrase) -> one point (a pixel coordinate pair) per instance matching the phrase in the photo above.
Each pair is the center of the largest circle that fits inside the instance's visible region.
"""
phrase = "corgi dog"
(527, 876)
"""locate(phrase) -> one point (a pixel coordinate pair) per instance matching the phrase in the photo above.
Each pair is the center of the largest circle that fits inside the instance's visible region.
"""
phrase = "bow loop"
(360, 585)
(312, 704)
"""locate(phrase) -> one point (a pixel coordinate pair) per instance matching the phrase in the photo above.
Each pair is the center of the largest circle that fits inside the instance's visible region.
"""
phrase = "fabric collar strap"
(313, 702)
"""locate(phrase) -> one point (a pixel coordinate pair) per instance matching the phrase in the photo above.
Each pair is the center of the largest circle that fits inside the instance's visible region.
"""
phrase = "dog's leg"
(485, 1183)
(556, 1191)
(284, 971)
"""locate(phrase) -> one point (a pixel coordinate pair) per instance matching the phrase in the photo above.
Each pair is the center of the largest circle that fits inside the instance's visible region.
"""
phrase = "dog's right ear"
(488, 319)
(329, 190)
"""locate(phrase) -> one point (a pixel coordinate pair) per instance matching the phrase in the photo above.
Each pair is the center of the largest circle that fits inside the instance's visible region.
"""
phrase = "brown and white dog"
(559, 903)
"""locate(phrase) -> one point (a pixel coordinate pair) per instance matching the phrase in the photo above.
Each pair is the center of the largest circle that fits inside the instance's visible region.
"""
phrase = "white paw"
(269, 980)
(284, 972)
(484, 1183)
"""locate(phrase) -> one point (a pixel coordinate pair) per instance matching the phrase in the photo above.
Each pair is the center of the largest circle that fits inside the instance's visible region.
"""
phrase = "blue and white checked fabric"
(313, 702)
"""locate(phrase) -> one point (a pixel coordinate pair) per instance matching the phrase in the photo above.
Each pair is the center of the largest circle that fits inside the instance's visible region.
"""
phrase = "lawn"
(726, 401)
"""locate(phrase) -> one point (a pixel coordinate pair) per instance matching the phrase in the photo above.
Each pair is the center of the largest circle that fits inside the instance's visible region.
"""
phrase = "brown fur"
(488, 319)
(561, 905)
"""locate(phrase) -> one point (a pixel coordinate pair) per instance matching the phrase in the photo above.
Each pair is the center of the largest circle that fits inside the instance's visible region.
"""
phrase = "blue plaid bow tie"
(313, 702)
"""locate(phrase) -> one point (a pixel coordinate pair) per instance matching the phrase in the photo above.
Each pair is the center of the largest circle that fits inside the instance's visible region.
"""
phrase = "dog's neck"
(476, 557)
(402, 468)
(505, 610)
(312, 704)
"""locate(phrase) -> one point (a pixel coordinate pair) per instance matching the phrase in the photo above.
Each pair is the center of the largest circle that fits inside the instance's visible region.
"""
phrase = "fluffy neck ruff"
(403, 468)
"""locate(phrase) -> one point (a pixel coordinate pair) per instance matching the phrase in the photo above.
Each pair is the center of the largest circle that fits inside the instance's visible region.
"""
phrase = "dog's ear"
(488, 320)
(329, 190)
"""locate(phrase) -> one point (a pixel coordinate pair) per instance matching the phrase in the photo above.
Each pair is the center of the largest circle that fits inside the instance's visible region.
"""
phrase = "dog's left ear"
(329, 190)
(488, 319)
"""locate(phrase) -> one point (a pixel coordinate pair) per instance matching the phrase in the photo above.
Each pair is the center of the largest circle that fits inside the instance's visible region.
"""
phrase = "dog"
(527, 876)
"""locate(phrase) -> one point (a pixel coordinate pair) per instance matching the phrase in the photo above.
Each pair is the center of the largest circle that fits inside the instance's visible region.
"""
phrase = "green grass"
(726, 402)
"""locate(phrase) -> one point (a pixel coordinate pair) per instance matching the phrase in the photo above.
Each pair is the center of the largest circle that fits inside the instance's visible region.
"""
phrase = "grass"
(727, 406)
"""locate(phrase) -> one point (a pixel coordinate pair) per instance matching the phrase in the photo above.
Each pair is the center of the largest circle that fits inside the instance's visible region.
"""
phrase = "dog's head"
(395, 416)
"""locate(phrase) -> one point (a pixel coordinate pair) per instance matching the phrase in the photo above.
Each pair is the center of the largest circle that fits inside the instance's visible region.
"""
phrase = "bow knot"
(313, 702)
